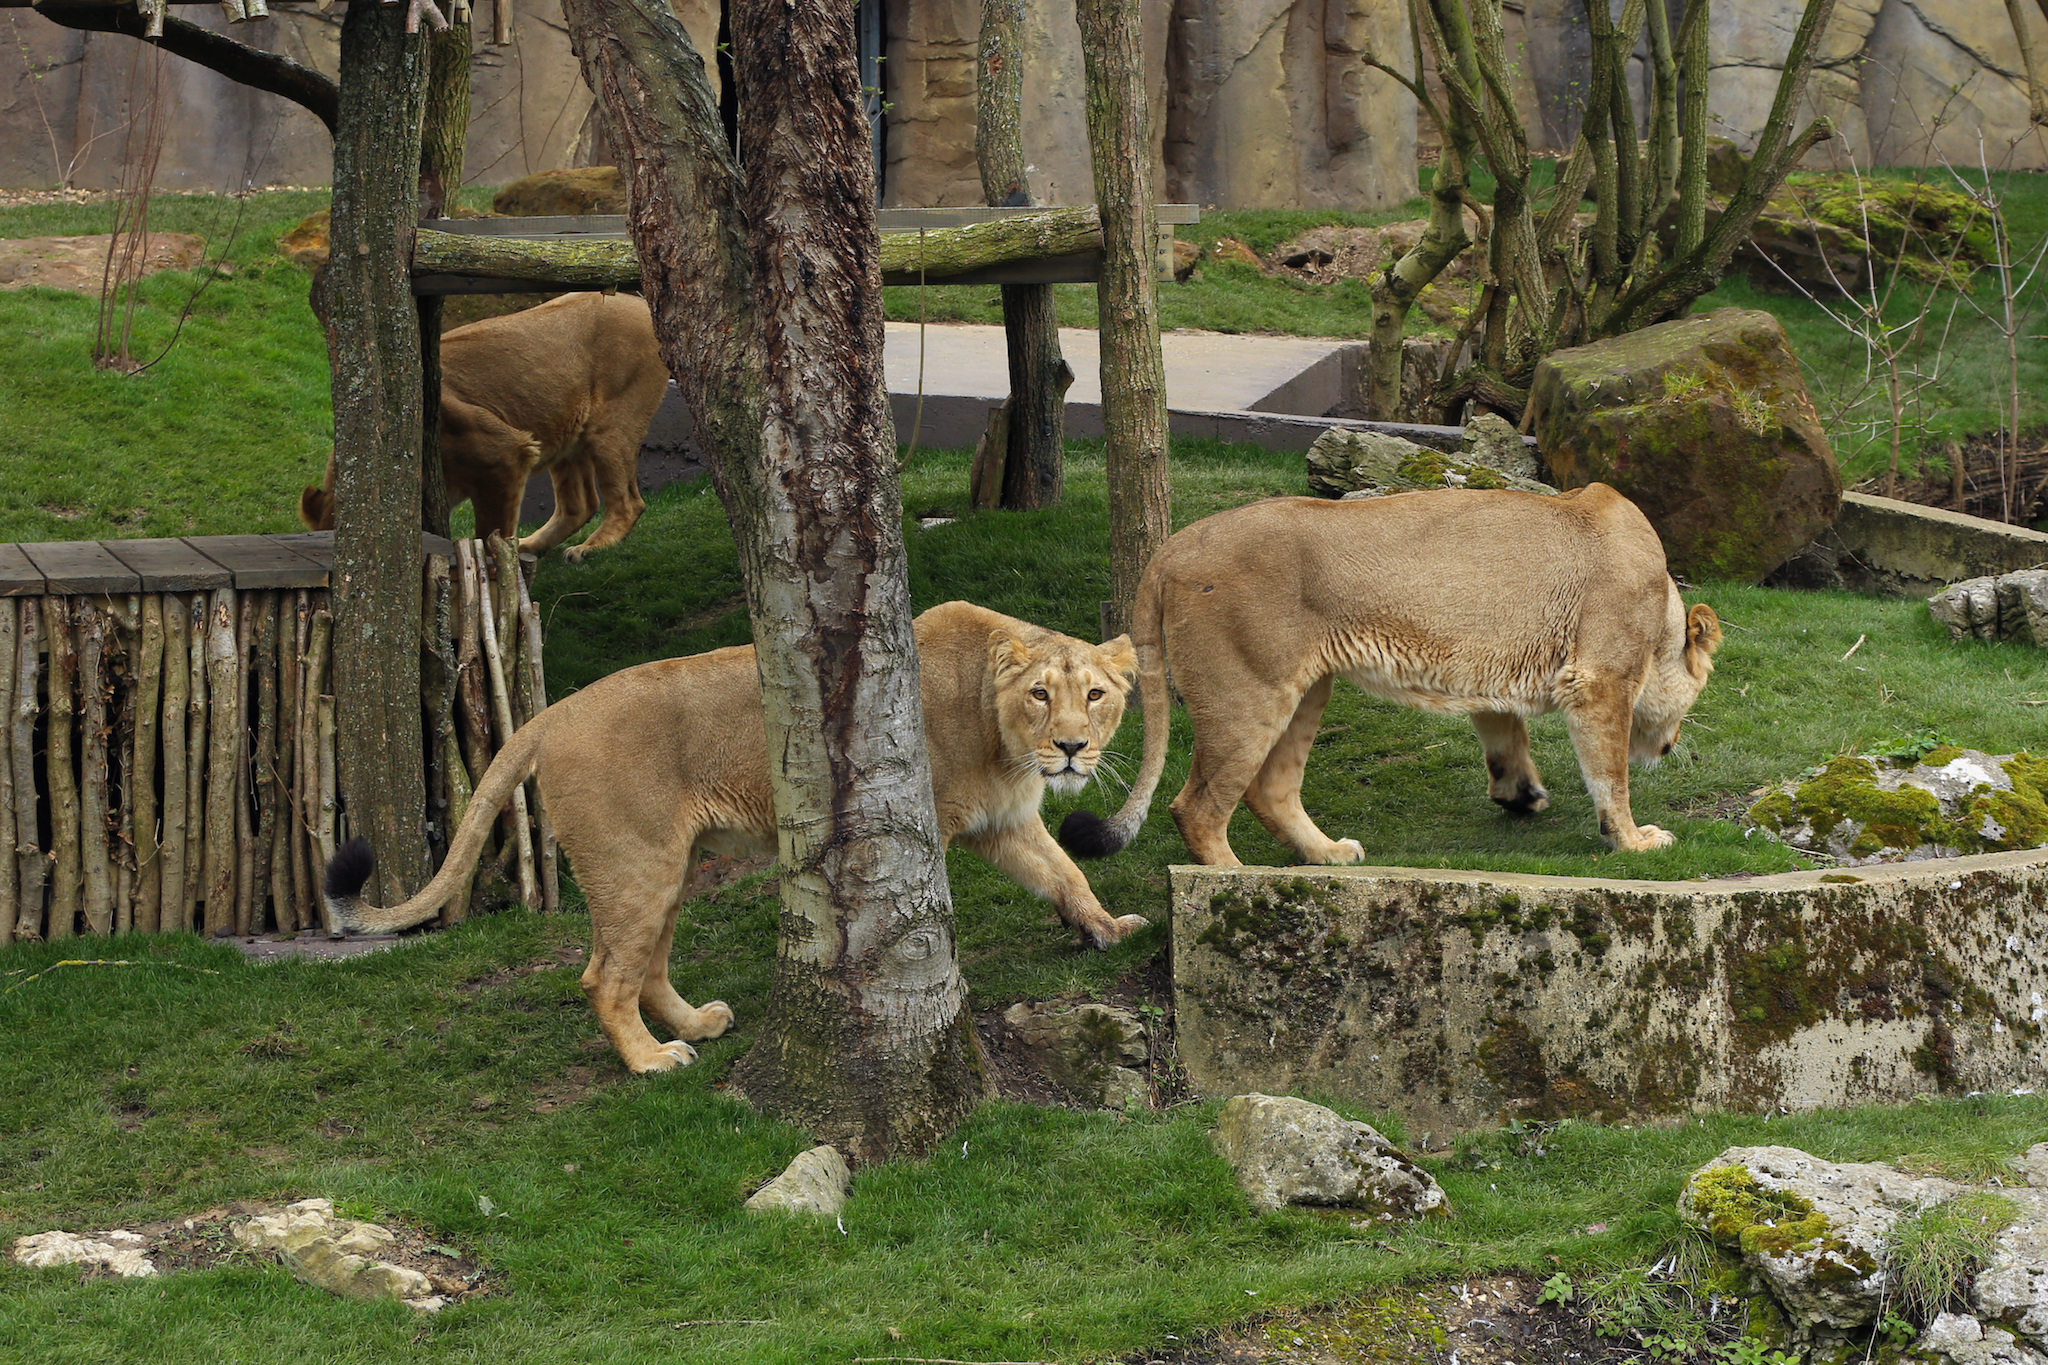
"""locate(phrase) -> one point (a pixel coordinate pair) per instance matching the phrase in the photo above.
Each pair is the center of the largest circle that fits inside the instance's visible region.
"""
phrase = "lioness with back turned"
(569, 386)
(647, 768)
(1494, 605)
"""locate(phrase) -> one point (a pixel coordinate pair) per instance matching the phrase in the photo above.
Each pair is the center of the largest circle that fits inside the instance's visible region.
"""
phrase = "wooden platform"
(188, 564)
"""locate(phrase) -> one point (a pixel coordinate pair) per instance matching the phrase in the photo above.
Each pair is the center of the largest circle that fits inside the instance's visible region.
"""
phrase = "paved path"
(1205, 371)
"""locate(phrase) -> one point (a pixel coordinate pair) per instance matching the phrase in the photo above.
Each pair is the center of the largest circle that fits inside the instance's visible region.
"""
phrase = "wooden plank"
(71, 567)
(1083, 267)
(260, 562)
(613, 227)
(318, 546)
(168, 565)
(19, 577)
(582, 225)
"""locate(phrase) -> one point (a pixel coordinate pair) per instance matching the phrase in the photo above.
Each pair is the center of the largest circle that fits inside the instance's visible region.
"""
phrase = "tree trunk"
(373, 339)
(867, 1041)
(1034, 437)
(1126, 296)
(443, 132)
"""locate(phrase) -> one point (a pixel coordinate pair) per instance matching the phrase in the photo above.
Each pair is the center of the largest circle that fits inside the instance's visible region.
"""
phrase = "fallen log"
(933, 255)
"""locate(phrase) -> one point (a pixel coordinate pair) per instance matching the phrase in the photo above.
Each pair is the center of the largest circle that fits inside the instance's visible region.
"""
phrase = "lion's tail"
(1084, 833)
(350, 867)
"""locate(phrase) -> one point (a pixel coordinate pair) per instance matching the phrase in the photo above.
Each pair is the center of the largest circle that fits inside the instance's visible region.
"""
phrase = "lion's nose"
(1070, 747)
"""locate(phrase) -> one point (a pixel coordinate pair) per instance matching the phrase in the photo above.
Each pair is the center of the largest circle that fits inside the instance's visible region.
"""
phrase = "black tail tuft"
(348, 871)
(1087, 835)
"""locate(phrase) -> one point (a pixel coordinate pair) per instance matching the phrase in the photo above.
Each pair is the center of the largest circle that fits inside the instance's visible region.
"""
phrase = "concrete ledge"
(1906, 549)
(1458, 998)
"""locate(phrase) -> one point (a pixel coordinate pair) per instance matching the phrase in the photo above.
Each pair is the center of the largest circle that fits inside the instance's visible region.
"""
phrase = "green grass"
(404, 1086)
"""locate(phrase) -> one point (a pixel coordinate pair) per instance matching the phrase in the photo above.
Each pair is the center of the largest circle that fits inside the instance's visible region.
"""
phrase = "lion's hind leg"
(1512, 779)
(658, 997)
(1275, 793)
(632, 884)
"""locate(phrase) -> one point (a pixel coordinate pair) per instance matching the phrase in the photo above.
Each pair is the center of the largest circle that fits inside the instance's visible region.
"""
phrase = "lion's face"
(1677, 674)
(1058, 702)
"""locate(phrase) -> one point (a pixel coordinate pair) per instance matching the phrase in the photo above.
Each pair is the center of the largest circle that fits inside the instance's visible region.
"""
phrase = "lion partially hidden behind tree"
(646, 769)
(1493, 605)
(570, 387)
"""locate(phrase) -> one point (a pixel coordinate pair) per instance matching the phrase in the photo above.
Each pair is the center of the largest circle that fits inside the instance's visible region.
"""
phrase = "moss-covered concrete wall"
(1457, 999)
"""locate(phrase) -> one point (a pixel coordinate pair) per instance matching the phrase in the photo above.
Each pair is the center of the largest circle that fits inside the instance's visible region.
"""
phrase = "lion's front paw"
(1345, 852)
(1120, 927)
(574, 554)
(1648, 837)
(667, 1057)
(713, 1019)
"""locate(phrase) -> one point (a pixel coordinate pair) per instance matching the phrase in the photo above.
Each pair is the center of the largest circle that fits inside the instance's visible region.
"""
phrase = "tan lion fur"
(569, 387)
(1494, 605)
(646, 769)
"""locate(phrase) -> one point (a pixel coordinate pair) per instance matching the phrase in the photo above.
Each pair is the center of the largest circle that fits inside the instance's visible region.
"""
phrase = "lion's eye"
(1095, 694)
(1041, 694)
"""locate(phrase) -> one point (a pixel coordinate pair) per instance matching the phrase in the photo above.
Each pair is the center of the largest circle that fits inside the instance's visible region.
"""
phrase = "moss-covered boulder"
(566, 193)
(1347, 463)
(1942, 803)
(1705, 424)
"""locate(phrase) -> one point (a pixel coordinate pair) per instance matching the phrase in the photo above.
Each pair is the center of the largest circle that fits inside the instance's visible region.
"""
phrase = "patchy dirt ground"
(205, 1241)
(1493, 1320)
(2023, 490)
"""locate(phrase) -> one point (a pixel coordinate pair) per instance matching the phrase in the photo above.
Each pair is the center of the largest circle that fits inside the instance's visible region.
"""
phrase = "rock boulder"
(1092, 1051)
(1706, 425)
(1289, 1151)
(816, 1182)
(1346, 463)
(569, 193)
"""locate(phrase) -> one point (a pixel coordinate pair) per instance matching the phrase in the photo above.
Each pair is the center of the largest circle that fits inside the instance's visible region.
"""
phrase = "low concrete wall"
(1458, 998)
(1906, 549)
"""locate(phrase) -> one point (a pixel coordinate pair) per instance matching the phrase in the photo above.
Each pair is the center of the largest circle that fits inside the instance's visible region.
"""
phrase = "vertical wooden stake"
(10, 893)
(316, 731)
(503, 570)
(501, 704)
(196, 774)
(30, 866)
(96, 872)
(324, 708)
(537, 700)
(62, 781)
(469, 658)
(177, 689)
(248, 905)
(149, 684)
(223, 672)
(291, 646)
(270, 875)
(124, 649)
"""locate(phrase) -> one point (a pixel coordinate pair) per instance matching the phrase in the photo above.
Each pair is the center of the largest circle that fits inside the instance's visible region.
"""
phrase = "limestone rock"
(2012, 1288)
(1705, 424)
(322, 1263)
(1962, 1340)
(1347, 463)
(1954, 57)
(1946, 803)
(118, 1252)
(816, 1182)
(565, 193)
(2032, 1164)
(1089, 1050)
(2010, 606)
(306, 244)
(1817, 1232)
(1289, 1151)
(1492, 441)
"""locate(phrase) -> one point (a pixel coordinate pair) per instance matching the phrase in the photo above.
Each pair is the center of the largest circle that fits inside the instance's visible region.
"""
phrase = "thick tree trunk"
(443, 132)
(1127, 296)
(1034, 444)
(867, 1041)
(373, 340)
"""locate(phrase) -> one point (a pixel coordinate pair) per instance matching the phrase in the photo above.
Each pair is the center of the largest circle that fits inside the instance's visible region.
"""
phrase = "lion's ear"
(1118, 656)
(1703, 629)
(315, 510)
(1006, 653)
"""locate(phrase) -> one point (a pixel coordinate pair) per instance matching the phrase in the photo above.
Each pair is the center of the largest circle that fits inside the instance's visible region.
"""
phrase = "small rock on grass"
(119, 1252)
(1289, 1151)
(816, 1182)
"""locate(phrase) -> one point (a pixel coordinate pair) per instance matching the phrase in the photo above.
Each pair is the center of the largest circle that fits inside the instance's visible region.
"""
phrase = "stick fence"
(167, 729)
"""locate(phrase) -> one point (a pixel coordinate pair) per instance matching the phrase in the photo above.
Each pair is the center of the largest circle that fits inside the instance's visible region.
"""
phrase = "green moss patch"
(1877, 808)
(1743, 1215)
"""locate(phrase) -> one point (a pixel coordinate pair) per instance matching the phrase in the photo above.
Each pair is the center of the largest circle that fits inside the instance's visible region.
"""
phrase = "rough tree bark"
(444, 130)
(1034, 453)
(775, 335)
(374, 345)
(1126, 297)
